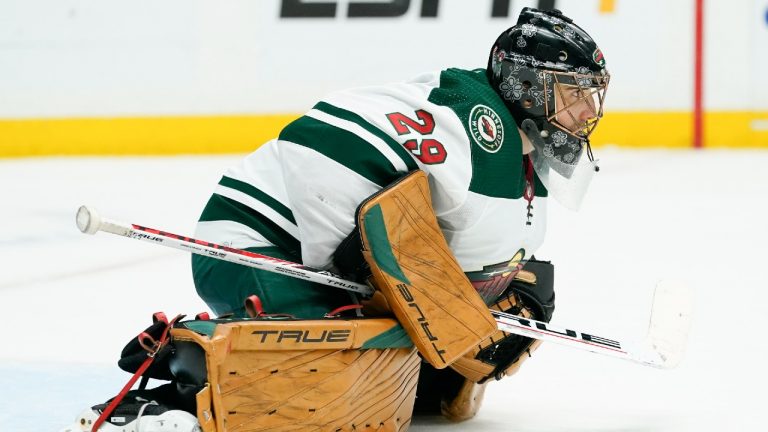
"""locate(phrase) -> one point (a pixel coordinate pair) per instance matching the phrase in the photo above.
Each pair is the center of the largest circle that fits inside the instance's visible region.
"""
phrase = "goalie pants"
(224, 286)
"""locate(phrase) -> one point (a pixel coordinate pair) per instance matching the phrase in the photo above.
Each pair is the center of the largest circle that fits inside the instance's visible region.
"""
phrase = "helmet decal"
(518, 64)
(584, 76)
(540, 96)
(559, 138)
(496, 59)
(486, 128)
(529, 30)
(548, 151)
(597, 56)
(511, 88)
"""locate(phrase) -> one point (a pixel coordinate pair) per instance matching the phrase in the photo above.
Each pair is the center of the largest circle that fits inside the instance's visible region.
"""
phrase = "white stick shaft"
(90, 222)
(673, 321)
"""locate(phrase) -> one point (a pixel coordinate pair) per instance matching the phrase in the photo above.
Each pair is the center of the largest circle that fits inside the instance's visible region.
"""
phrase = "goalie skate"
(168, 421)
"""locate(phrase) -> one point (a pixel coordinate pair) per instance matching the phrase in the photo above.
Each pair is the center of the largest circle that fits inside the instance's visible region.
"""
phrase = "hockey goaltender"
(433, 192)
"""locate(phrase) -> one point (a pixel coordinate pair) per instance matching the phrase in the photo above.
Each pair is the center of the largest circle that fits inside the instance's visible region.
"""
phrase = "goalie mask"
(552, 77)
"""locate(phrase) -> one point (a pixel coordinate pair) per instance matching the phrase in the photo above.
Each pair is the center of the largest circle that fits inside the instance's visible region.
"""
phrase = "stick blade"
(670, 321)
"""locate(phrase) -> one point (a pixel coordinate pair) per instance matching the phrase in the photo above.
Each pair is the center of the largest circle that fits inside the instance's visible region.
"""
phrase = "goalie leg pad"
(282, 375)
(415, 270)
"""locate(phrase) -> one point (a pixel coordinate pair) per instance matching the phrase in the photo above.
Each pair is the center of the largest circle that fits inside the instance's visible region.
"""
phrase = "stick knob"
(88, 221)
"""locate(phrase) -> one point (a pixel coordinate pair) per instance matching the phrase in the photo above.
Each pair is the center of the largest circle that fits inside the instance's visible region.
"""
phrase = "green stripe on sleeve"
(342, 146)
(222, 208)
(258, 195)
(360, 121)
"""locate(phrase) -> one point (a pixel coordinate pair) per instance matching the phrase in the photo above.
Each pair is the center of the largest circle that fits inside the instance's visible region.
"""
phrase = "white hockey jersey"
(300, 191)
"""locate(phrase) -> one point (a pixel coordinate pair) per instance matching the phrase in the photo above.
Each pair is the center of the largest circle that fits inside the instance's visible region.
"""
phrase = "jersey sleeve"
(331, 160)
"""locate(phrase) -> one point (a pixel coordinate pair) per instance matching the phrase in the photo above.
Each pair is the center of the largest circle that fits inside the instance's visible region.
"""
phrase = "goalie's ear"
(413, 267)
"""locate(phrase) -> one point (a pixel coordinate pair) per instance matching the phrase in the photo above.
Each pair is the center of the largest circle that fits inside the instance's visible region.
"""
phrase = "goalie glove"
(531, 295)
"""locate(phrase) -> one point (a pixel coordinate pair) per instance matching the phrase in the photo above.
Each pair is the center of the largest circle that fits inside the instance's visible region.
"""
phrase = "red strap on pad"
(253, 306)
(254, 309)
(155, 348)
(336, 312)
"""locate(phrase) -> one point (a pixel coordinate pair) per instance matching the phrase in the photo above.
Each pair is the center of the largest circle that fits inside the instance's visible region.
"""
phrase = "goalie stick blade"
(670, 321)
(662, 348)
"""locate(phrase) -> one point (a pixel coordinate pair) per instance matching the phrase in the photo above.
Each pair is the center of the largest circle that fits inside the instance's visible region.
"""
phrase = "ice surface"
(71, 301)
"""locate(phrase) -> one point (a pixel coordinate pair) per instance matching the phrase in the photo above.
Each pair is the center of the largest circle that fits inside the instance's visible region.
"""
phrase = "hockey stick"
(90, 222)
(663, 347)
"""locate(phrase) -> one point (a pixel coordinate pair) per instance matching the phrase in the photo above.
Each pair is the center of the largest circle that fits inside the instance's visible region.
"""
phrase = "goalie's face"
(577, 108)
(574, 108)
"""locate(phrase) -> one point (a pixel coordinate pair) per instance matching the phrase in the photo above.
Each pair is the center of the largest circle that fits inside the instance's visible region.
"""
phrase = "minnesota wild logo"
(598, 58)
(486, 128)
